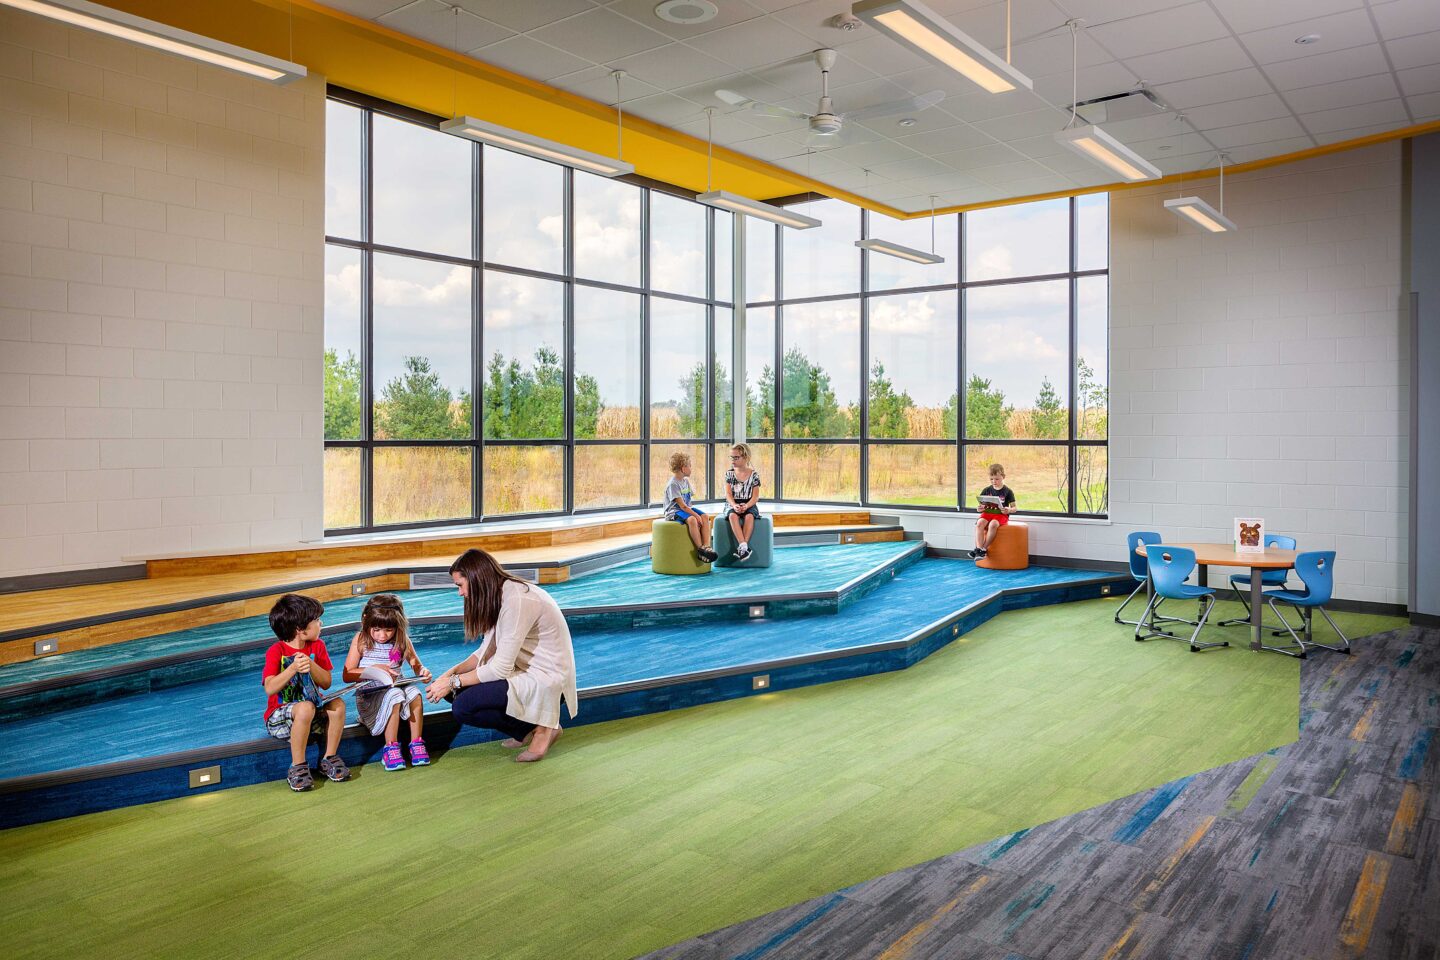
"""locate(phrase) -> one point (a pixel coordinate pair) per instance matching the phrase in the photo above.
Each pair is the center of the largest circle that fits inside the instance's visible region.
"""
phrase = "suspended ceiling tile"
(1274, 148)
(1143, 128)
(819, 164)
(1102, 80)
(597, 84)
(929, 120)
(754, 44)
(525, 16)
(1248, 133)
(643, 12)
(1425, 107)
(1328, 67)
(771, 148)
(912, 169)
(977, 157)
(812, 17)
(1417, 51)
(872, 155)
(600, 36)
(370, 9)
(1405, 18)
(1048, 183)
(1418, 80)
(868, 93)
(744, 84)
(880, 53)
(1027, 19)
(530, 58)
(1248, 110)
(972, 106)
(1200, 60)
(436, 22)
(1245, 16)
(1217, 88)
(1337, 31)
(1340, 136)
(948, 140)
(1368, 114)
(1095, 12)
(964, 197)
(1017, 169)
(688, 116)
(673, 66)
(1180, 144)
(1346, 93)
(1031, 124)
(1162, 30)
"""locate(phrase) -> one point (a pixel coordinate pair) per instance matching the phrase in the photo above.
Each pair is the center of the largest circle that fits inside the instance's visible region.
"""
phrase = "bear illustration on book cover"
(1249, 535)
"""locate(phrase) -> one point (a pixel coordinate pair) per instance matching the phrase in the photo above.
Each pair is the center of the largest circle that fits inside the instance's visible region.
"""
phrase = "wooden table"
(1209, 555)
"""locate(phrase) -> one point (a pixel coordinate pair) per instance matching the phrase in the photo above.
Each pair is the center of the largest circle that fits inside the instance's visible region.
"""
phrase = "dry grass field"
(415, 484)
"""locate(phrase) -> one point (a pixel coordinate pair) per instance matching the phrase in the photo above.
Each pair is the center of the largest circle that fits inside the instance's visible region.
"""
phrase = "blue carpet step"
(131, 749)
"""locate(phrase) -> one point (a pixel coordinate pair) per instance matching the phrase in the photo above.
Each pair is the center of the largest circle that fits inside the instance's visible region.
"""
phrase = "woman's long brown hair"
(385, 610)
(484, 581)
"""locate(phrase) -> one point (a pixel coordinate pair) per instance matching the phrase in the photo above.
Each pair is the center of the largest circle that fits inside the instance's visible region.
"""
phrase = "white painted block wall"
(1260, 373)
(161, 245)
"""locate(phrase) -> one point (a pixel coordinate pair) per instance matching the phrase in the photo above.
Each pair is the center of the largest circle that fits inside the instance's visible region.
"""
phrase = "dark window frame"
(476, 442)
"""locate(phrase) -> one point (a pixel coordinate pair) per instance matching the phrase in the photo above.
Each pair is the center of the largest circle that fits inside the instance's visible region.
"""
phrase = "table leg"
(1255, 628)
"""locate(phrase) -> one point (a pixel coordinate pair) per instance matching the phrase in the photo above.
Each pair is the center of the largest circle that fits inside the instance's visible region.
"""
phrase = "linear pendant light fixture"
(493, 133)
(161, 36)
(1198, 211)
(926, 32)
(1095, 144)
(893, 249)
(721, 200)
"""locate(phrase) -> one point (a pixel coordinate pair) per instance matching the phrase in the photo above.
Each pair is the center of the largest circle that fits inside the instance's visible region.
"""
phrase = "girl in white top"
(515, 681)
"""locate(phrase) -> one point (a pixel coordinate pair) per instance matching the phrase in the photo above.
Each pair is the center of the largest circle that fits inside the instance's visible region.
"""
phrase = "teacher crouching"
(515, 681)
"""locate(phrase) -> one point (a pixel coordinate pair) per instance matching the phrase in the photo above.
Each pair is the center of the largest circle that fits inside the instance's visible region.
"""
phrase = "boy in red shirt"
(297, 667)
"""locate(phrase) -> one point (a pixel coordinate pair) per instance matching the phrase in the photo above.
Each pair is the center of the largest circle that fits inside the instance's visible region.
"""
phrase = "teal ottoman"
(671, 550)
(762, 544)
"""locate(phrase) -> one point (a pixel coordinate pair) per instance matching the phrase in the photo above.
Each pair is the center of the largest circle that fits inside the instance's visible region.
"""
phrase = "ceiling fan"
(825, 122)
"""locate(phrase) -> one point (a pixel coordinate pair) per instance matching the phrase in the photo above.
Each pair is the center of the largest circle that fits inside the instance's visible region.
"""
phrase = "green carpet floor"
(640, 833)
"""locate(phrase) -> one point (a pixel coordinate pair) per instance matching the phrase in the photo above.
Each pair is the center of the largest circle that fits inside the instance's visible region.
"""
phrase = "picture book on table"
(371, 678)
(1249, 535)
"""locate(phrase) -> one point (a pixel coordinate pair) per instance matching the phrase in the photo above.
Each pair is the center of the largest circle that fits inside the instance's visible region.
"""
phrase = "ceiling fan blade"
(761, 109)
(908, 105)
(732, 98)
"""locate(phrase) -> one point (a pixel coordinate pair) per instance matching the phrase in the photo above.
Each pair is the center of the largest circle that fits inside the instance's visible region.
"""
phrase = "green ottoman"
(671, 550)
(762, 544)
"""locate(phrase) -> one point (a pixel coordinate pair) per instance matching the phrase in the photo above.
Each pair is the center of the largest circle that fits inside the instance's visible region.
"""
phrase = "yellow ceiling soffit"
(364, 56)
(367, 57)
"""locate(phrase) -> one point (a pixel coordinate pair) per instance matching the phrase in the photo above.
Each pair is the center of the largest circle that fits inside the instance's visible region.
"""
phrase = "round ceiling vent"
(686, 12)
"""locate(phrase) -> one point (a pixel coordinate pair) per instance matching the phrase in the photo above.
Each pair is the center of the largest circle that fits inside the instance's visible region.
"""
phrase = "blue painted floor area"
(228, 709)
(796, 570)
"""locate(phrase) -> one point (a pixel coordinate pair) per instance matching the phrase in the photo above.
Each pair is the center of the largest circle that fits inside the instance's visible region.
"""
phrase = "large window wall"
(900, 383)
(590, 316)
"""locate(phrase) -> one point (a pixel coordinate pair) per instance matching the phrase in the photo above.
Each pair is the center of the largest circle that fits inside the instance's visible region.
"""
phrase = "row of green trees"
(528, 402)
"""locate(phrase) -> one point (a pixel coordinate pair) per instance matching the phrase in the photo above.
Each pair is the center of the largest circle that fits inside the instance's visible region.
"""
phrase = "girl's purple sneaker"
(418, 754)
(391, 758)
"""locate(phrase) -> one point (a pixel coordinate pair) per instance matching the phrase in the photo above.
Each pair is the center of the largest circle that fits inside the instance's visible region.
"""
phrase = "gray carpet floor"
(1326, 848)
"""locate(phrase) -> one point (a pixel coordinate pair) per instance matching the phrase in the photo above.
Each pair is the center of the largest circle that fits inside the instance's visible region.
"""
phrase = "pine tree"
(1049, 422)
(887, 408)
(342, 396)
(416, 406)
(986, 415)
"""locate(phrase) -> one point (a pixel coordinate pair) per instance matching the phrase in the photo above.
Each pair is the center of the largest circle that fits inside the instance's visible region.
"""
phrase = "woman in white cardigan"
(514, 682)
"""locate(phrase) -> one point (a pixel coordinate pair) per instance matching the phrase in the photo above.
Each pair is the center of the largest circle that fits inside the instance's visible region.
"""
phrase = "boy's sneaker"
(299, 777)
(974, 553)
(742, 551)
(334, 768)
(709, 556)
(390, 756)
(980, 554)
(419, 756)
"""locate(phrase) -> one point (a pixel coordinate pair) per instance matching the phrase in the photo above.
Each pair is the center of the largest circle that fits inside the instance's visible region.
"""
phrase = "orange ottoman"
(1010, 550)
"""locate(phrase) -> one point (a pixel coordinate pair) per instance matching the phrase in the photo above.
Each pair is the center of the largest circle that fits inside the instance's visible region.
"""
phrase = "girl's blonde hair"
(384, 610)
(744, 450)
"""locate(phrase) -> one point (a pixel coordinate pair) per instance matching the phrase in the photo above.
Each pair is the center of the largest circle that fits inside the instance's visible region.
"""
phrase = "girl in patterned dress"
(384, 642)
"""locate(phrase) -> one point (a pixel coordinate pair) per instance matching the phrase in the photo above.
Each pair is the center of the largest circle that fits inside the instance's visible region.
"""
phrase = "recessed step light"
(686, 12)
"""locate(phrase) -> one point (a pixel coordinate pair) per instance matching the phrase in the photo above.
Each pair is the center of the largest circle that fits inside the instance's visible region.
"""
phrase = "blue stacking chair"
(1240, 582)
(1169, 568)
(1316, 569)
(1140, 570)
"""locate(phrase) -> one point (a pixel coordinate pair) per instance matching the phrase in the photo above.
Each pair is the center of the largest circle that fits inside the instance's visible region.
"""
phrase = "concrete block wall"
(161, 273)
(1258, 373)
